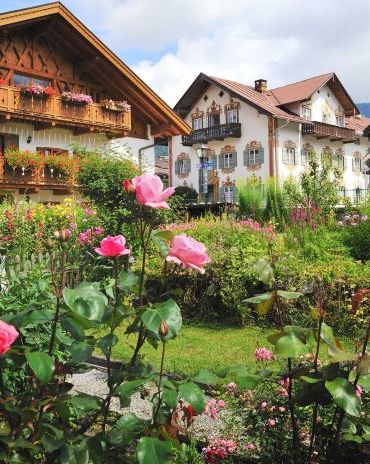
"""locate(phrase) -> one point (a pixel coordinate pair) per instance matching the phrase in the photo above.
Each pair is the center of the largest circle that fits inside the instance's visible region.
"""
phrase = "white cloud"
(280, 40)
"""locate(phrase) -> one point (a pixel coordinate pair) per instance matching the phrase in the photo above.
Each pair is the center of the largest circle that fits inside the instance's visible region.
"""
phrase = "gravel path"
(94, 382)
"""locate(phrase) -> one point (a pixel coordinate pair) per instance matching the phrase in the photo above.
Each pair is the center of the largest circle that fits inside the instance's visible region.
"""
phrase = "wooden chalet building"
(60, 86)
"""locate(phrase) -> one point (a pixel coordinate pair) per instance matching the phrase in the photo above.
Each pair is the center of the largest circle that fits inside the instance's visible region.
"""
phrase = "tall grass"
(263, 202)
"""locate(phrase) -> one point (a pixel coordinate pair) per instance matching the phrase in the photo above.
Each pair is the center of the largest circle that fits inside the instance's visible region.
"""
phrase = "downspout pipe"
(276, 146)
(141, 151)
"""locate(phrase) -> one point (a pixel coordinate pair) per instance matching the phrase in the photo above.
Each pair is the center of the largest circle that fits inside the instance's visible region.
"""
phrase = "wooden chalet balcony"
(54, 112)
(32, 180)
(213, 133)
(322, 130)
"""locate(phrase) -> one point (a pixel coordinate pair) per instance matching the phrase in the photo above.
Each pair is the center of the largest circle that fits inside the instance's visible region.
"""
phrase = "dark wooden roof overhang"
(91, 56)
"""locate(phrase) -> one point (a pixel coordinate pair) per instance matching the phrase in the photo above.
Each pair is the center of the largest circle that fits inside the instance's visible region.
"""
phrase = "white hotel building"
(241, 132)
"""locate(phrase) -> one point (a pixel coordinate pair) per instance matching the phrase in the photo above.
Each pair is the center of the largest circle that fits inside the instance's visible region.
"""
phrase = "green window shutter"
(334, 161)
(353, 165)
(285, 156)
(177, 167)
(221, 161)
(260, 158)
(246, 157)
(303, 161)
(188, 165)
(213, 160)
(344, 161)
(221, 195)
(234, 159)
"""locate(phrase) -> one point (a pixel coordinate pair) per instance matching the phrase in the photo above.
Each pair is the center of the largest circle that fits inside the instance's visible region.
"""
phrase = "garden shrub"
(357, 239)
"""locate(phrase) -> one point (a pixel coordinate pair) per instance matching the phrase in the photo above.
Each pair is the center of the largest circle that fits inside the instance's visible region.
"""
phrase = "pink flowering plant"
(41, 419)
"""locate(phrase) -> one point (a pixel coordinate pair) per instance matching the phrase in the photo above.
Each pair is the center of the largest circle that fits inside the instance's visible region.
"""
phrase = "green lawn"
(200, 347)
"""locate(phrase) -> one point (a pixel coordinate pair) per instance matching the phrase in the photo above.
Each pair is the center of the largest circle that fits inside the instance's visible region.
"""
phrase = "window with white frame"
(232, 115)
(356, 164)
(228, 160)
(342, 192)
(339, 121)
(289, 157)
(340, 162)
(305, 158)
(253, 156)
(229, 193)
(197, 123)
(182, 166)
(306, 112)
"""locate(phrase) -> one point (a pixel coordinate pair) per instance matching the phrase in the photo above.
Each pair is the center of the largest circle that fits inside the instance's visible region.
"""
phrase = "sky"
(169, 42)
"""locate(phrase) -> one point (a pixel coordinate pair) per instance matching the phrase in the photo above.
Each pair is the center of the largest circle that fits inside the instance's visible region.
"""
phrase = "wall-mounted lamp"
(29, 139)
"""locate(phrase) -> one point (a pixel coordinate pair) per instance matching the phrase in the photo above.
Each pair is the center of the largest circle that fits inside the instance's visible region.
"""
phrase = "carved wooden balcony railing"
(35, 178)
(57, 113)
(322, 130)
(213, 133)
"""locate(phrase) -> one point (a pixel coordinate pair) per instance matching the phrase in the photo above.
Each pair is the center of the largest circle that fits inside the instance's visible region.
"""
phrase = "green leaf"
(290, 346)
(327, 335)
(84, 402)
(73, 327)
(128, 281)
(264, 271)
(364, 382)
(153, 451)
(86, 301)
(206, 377)
(125, 391)
(248, 381)
(337, 355)
(161, 239)
(168, 311)
(170, 398)
(80, 351)
(354, 438)
(75, 454)
(42, 365)
(257, 299)
(344, 396)
(310, 379)
(191, 393)
(107, 342)
(127, 427)
(50, 443)
(289, 295)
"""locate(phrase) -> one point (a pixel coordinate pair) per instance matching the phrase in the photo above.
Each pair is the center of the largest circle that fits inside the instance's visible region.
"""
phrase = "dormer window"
(306, 112)
(232, 116)
(197, 119)
(232, 111)
(198, 123)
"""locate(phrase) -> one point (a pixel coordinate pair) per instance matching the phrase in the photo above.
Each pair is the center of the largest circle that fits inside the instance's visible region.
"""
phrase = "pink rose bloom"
(188, 252)
(221, 404)
(8, 335)
(231, 387)
(263, 354)
(281, 408)
(264, 405)
(271, 422)
(149, 191)
(358, 391)
(250, 446)
(113, 246)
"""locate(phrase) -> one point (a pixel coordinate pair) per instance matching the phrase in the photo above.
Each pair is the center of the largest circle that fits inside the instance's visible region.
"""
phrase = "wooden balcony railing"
(219, 132)
(54, 111)
(323, 130)
(43, 178)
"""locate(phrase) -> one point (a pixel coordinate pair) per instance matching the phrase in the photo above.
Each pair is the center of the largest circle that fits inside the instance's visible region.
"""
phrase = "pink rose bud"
(149, 191)
(163, 330)
(128, 186)
(188, 252)
(8, 335)
(111, 247)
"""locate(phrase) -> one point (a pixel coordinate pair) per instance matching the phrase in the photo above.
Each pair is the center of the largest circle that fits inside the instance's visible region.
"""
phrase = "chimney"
(260, 85)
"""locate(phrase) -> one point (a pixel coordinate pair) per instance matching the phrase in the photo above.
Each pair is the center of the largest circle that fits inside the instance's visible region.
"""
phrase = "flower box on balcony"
(37, 91)
(22, 158)
(120, 106)
(77, 99)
